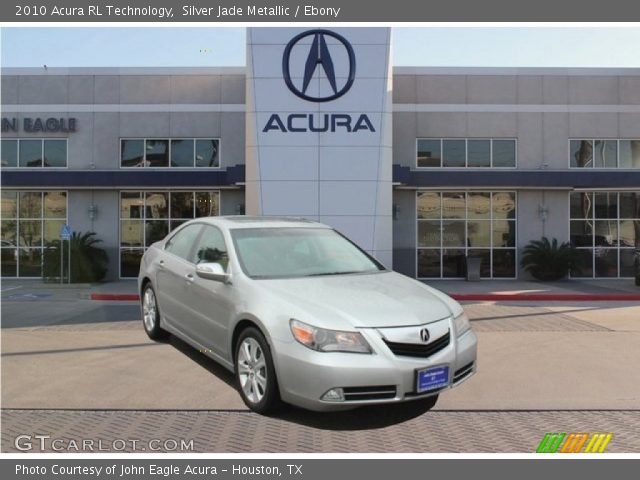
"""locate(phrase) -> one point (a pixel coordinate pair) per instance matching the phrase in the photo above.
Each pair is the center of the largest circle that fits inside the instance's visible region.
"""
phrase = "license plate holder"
(432, 378)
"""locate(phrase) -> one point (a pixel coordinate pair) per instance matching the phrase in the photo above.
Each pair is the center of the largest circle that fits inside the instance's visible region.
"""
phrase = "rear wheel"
(255, 374)
(151, 314)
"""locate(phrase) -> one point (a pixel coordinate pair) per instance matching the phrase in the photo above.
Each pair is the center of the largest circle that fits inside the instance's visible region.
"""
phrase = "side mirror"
(212, 271)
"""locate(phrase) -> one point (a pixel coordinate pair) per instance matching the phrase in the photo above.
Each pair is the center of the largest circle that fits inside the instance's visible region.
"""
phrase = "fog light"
(334, 395)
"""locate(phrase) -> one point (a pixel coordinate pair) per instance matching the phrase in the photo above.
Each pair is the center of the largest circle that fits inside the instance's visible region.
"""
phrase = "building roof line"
(397, 70)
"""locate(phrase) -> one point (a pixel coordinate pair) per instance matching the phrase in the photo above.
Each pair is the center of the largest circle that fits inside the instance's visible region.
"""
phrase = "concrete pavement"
(530, 357)
(74, 368)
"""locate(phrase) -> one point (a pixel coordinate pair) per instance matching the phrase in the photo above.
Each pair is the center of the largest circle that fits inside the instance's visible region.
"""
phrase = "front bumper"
(304, 375)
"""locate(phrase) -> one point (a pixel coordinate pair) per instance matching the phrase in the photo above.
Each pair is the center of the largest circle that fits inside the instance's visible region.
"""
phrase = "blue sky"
(425, 46)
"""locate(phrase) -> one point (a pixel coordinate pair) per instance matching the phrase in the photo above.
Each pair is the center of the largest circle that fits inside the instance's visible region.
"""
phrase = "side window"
(182, 242)
(211, 248)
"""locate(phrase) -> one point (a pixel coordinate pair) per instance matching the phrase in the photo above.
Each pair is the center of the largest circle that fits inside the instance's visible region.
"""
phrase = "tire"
(638, 280)
(255, 374)
(151, 314)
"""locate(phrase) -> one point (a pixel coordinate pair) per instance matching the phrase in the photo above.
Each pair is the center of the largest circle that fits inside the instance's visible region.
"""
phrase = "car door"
(210, 301)
(175, 272)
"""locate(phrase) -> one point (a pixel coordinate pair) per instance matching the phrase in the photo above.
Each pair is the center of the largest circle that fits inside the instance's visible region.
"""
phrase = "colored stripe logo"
(581, 442)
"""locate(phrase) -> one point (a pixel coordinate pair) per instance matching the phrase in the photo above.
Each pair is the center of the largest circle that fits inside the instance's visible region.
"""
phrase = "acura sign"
(319, 60)
(309, 122)
(319, 56)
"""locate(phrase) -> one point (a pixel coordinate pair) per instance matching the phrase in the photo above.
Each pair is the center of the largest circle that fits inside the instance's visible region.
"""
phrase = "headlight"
(461, 324)
(324, 340)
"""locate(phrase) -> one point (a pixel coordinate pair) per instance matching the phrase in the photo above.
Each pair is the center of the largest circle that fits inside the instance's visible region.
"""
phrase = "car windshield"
(299, 252)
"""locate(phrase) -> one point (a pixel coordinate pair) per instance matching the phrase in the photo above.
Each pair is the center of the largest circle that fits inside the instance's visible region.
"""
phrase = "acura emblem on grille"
(424, 335)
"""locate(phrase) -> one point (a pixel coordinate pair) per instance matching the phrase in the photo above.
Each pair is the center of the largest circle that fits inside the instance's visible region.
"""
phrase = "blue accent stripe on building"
(43, 178)
(517, 178)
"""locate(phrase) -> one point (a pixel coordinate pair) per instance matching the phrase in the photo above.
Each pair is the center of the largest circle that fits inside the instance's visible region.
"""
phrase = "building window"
(605, 228)
(34, 153)
(148, 216)
(170, 152)
(30, 221)
(465, 153)
(453, 225)
(604, 153)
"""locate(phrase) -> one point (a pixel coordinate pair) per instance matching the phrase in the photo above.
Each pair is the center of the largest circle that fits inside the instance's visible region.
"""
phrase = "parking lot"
(73, 367)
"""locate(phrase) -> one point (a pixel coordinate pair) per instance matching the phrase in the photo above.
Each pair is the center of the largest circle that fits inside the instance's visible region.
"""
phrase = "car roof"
(247, 221)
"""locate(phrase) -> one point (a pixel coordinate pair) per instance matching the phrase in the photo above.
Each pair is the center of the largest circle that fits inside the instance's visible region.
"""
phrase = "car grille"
(419, 349)
(356, 394)
(462, 372)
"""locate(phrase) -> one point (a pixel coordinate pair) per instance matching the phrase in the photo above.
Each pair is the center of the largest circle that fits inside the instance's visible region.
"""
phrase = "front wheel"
(151, 314)
(255, 374)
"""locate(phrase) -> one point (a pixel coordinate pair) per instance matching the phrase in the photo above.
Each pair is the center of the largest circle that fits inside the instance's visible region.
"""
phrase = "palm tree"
(546, 260)
(88, 262)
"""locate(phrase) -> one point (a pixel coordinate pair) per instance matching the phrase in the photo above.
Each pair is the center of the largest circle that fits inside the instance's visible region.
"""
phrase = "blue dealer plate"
(432, 378)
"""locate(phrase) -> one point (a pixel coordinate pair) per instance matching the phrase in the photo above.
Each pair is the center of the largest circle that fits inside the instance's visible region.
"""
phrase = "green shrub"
(88, 262)
(546, 260)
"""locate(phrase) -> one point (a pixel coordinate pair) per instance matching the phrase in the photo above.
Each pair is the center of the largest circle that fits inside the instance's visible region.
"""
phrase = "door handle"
(161, 263)
(189, 277)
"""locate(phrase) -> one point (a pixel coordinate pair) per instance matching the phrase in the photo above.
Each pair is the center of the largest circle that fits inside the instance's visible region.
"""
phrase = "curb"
(487, 297)
(120, 297)
(547, 297)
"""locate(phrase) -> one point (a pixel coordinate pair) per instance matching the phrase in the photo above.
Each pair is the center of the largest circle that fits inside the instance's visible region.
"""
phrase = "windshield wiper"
(347, 272)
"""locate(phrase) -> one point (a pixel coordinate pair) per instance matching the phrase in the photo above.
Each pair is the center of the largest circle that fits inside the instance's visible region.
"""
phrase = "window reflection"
(604, 227)
(9, 153)
(148, 217)
(207, 153)
(453, 153)
(30, 153)
(629, 154)
(465, 152)
(30, 221)
(504, 153)
(182, 153)
(479, 153)
(604, 153)
(157, 153)
(132, 153)
(166, 152)
(429, 205)
(55, 153)
(455, 225)
(429, 153)
(581, 153)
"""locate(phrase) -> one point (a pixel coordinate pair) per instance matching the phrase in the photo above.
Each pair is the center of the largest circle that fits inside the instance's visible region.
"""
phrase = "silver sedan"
(302, 315)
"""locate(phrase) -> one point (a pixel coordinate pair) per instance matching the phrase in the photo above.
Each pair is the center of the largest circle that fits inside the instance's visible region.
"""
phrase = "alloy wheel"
(149, 311)
(252, 370)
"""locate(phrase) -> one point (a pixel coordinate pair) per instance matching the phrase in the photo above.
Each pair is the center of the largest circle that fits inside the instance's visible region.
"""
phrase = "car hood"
(385, 299)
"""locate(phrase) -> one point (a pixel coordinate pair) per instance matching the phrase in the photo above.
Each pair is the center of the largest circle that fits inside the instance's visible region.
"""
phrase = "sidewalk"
(23, 288)
(524, 290)
(485, 290)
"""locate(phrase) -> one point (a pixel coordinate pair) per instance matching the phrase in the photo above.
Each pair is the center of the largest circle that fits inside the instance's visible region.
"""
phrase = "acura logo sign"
(319, 60)
(319, 57)
(424, 335)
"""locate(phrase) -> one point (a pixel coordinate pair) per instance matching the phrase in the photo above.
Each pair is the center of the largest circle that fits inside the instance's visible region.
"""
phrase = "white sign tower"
(319, 129)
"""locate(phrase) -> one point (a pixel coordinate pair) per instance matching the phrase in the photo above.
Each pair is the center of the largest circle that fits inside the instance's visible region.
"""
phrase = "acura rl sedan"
(302, 315)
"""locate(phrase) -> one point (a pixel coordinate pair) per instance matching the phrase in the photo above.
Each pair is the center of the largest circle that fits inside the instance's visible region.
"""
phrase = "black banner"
(316, 469)
(315, 11)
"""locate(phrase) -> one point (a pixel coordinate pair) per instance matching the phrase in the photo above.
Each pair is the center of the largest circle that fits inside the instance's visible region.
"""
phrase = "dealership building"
(423, 167)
